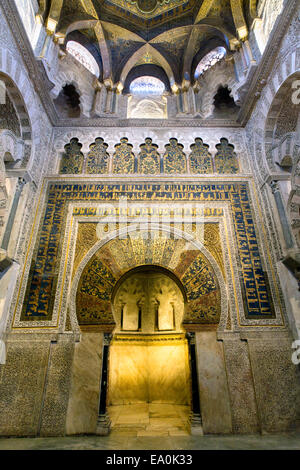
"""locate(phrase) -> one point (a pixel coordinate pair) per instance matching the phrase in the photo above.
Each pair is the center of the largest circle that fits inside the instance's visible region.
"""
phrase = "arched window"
(83, 56)
(209, 60)
(147, 86)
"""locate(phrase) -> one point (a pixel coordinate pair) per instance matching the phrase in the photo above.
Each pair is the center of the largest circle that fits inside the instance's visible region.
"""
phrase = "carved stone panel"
(149, 159)
(72, 160)
(226, 159)
(200, 158)
(123, 158)
(98, 158)
(174, 158)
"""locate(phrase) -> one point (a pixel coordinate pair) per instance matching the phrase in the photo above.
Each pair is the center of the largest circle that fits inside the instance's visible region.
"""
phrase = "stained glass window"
(83, 56)
(209, 60)
(147, 86)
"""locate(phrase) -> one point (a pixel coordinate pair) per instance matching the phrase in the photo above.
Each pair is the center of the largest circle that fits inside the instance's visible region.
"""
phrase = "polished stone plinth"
(150, 419)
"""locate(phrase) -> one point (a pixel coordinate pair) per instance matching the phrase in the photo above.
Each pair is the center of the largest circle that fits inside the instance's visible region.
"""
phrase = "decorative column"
(195, 418)
(47, 44)
(282, 215)
(11, 218)
(103, 422)
(248, 54)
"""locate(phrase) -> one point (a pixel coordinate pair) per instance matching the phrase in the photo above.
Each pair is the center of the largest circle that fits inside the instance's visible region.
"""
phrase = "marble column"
(250, 60)
(195, 418)
(282, 215)
(11, 218)
(103, 422)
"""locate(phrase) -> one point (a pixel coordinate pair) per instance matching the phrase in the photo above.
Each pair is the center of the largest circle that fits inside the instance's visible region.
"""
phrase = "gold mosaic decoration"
(149, 158)
(98, 158)
(174, 158)
(43, 275)
(226, 160)
(200, 158)
(119, 256)
(123, 158)
(72, 160)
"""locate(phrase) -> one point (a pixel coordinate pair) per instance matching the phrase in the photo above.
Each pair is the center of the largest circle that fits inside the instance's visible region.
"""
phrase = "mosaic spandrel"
(149, 158)
(72, 159)
(174, 160)
(226, 159)
(123, 158)
(200, 158)
(98, 158)
(41, 287)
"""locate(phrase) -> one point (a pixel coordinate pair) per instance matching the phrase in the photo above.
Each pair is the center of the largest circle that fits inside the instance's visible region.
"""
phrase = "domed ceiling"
(151, 8)
(170, 33)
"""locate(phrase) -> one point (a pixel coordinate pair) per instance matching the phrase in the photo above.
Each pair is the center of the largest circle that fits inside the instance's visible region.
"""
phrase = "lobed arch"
(221, 75)
(146, 70)
(195, 53)
(102, 245)
(210, 46)
(262, 133)
(76, 26)
(284, 92)
(19, 147)
(157, 56)
(70, 77)
(80, 38)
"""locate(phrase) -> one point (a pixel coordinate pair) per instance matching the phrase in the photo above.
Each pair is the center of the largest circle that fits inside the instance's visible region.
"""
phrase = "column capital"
(107, 337)
(190, 336)
(274, 186)
(21, 182)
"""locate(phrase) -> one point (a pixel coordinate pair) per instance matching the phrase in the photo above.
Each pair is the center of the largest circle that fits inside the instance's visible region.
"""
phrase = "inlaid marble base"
(150, 419)
(103, 425)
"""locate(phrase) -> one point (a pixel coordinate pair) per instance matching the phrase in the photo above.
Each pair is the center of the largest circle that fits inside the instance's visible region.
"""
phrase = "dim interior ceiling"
(167, 33)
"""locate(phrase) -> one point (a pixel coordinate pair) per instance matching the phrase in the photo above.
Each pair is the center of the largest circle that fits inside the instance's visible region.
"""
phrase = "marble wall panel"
(22, 381)
(214, 394)
(241, 387)
(85, 384)
(276, 381)
(156, 373)
(55, 403)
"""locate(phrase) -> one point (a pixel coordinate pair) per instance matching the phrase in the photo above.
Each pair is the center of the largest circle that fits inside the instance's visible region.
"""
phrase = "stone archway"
(149, 377)
(95, 282)
(106, 263)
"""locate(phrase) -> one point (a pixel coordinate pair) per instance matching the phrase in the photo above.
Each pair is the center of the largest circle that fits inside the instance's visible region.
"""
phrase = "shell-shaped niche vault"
(148, 301)
(180, 274)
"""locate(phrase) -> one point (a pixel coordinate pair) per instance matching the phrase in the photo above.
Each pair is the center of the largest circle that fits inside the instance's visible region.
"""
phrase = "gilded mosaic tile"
(97, 282)
(38, 302)
(226, 160)
(123, 158)
(174, 160)
(98, 158)
(200, 158)
(72, 160)
(149, 158)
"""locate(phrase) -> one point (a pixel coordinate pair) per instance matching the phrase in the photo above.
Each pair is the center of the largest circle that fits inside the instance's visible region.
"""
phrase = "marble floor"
(149, 419)
(119, 442)
(153, 427)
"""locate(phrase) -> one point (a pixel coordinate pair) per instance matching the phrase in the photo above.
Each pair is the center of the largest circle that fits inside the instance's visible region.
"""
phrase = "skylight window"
(147, 86)
(209, 60)
(83, 56)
